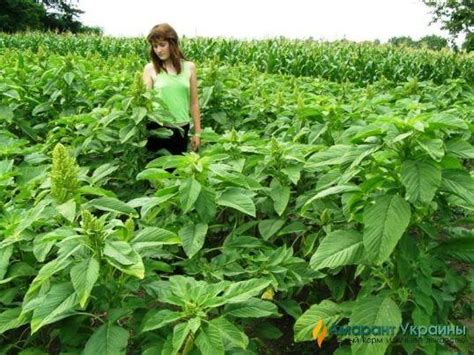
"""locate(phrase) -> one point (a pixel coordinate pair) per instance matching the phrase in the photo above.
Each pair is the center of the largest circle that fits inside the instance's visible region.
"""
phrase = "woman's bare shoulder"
(149, 67)
(191, 65)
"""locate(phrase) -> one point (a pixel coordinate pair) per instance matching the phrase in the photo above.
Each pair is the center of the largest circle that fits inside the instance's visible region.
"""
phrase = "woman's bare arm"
(147, 78)
(194, 102)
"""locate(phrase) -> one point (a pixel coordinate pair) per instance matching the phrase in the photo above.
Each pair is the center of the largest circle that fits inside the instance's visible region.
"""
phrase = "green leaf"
(57, 304)
(209, 341)
(421, 179)
(269, 227)
(339, 248)
(230, 332)
(252, 308)
(460, 248)
(123, 257)
(460, 148)
(108, 339)
(156, 319)
(112, 205)
(152, 237)
(238, 199)
(280, 195)
(154, 174)
(334, 190)
(120, 251)
(375, 311)
(192, 237)
(11, 319)
(460, 183)
(434, 147)
(84, 276)
(68, 210)
(446, 120)
(5, 254)
(384, 223)
(206, 204)
(293, 173)
(18, 269)
(188, 193)
(180, 332)
(327, 311)
(103, 171)
(243, 290)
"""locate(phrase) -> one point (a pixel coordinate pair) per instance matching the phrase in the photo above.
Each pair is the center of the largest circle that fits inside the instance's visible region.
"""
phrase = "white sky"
(355, 20)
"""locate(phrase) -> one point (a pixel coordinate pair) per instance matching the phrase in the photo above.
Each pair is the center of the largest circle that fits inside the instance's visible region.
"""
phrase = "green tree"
(403, 40)
(433, 42)
(21, 15)
(456, 16)
(62, 16)
(53, 15)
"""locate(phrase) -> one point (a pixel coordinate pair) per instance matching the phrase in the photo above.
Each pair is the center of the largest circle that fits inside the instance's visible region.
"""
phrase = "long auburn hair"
(164, 32)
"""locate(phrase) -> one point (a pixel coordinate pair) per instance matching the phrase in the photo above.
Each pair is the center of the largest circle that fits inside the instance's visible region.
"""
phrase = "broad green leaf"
(103, 171)
(67, 210)
(460, 183)
(434, 147)
(96, 191)
(327, 311)
(252, 308)
(446, 120)
(151, 237)
(421, 179)
(43, 243)
(209, 341)
(180, 333)
(188, 193)
(293, 173)
(123, 257)
(154, 174)
(112, 205)
(48, 270)
(5, 254)
(339, 248)
(334, 155)
(127, 132)
(11, 319)
(206, 204)
(18, 269)
(156, 319)
(120, 251)
(243, 290)
(230, 332)
(375, 311)
(460, 148)
(193, 237)
(269, 227)
(280, 195)
(384, 223)
(57, 304)
(460, 248)
(238, 199)
(108, 339)
(83, 277)
(334, 190)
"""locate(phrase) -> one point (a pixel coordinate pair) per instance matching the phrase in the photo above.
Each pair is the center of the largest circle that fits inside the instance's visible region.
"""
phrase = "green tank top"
(174, 90)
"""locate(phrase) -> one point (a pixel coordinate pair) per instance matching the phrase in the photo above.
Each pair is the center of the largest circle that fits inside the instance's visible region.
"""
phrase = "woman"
(175, 80)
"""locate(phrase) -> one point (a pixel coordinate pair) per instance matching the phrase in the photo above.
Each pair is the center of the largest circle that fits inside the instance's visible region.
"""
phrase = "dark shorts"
(176, 144)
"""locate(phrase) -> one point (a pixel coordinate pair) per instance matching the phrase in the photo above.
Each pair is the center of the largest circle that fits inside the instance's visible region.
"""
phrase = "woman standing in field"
(175, 80)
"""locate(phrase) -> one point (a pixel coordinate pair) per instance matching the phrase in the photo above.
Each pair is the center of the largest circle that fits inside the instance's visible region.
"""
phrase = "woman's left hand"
(195, 143)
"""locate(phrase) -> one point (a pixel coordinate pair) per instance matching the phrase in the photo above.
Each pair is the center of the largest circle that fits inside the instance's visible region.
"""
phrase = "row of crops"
(311, 203)
(341, 61)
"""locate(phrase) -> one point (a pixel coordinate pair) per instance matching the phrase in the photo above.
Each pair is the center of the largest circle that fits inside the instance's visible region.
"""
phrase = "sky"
(356, 20)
